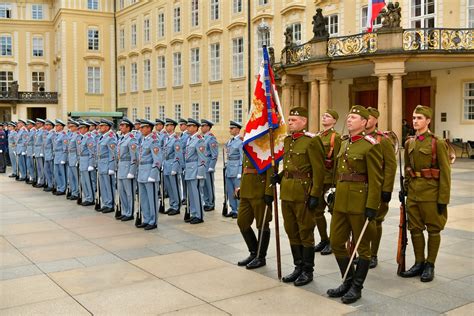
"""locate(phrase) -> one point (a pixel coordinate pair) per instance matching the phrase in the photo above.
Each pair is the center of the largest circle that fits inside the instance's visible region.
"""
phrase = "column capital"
(398, 75)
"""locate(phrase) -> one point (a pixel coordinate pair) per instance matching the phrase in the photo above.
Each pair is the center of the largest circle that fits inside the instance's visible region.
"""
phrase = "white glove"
(210, 170)
(111, 172)
(41, 155)
(130, 176)
(90, 168)
(173, 173)
(150, 179)
(33, 154)
(23, 153)
(1, 151)
(239, 176)
(63, 162)
(199, 177)
(14, 152)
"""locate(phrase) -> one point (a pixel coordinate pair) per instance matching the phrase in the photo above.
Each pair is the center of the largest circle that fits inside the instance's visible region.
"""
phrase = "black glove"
(401, 196)
(313, 202)
(370, 213)
(275, 179)
(268, 199)
(386, 197)
(441, 208)
(237, 193)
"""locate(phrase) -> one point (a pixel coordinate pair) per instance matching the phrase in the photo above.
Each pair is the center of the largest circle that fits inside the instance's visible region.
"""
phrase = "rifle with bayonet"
(224, 206)
(402, 232)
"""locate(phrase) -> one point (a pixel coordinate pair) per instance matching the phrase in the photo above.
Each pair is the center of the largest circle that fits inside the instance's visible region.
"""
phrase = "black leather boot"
(428, 272)
(297, 252)
(327, 250)
(346, 285)
(308, 267)
(260, 261)
(322, 244)
(355, 292)
(251, 241)
(415, 270)
(373, 262)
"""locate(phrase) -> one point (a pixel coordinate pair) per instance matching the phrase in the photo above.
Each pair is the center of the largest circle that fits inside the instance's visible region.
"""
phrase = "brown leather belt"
(250, 170)
(297, 175)
(353, 177)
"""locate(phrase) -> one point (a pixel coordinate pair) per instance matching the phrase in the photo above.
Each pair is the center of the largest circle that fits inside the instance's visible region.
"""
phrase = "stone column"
(303, 95)
(285, 100)
(397, 105)
(313, 107)
(383, 102)
(296, 96)
(324, 95)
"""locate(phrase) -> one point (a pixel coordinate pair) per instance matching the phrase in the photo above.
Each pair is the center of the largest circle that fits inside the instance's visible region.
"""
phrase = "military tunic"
(30, 153)
(212, 152)
(39, 155)
(233, 170)
(73, 163)
(359, 184)
(195, 174)
(87, 151)
(22, 138)
(48, 149)
(60, 158)
(12, 150)
(127, 156)
(3, 151)
(171, 167)
(106, 165)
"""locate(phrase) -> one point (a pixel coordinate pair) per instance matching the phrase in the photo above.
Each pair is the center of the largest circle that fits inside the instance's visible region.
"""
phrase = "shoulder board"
(199, 136)
(153, 136)
(345, 137)
(371, 139)
(210, 134)
(241, 138)
(131, 135)
(309, 134)
(111, 134)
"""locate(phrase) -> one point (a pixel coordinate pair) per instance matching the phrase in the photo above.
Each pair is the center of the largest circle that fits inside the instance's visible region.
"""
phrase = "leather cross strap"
(331, 144)
(433, 151)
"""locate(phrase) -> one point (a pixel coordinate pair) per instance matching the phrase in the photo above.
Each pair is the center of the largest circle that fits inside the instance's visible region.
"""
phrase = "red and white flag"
(373, 10)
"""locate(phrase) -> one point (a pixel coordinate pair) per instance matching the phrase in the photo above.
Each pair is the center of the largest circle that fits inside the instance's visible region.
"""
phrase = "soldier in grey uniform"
(86, 150)
(149, 159)
(72, 160)
(233, 166)
(195, 171)
(183, 138)
(39, 153)
(12, 134)
(22, 138)
(173, 155)
(30, 147)
(127, 168)
(106, 165)
(48, 149)
(212, 152)
(60, 158)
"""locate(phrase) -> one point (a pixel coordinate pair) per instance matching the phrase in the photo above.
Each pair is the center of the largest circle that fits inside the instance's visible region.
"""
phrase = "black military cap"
(192, 121)
(169, 121)
(182, 121)
(38, 120)
(31, 122)
(59, 122)
(207, 122)
(126, 121)
(106, 122)
(146, 123)
(48, 121)
(235, 124)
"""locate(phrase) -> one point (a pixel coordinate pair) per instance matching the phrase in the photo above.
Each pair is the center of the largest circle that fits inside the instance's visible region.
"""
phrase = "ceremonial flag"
(375, 6)
(266, 114)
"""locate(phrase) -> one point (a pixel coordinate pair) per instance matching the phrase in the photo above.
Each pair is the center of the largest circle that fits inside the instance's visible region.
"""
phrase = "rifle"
(402, 231)
(118, 205)
(68, 190)
(97, 192)
(162, 192)
(224, 207)
(138, 220)
(79, 199)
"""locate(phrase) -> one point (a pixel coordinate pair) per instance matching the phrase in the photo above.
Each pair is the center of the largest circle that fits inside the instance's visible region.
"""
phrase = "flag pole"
(272, 153)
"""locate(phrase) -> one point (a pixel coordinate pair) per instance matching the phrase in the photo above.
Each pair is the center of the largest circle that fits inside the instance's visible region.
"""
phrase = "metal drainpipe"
(115, 56)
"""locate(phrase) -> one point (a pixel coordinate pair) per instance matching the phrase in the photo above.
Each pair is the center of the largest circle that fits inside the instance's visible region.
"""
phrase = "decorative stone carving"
(289, 37)
(391, 17)
(319, 26)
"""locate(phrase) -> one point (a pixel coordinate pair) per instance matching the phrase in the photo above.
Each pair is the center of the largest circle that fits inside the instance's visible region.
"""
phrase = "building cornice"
(160, 45)
(193, 36)
(214, 30)
(262, 16)
(176, 41)
(294, 7)
(38, 63)
(236, 24)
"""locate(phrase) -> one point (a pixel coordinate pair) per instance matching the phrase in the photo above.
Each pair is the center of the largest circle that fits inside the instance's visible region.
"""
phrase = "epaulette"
(309, 134)
(153, 135)
(131, 135)
(111, 134)
(345, 137)
(241, 138)
(199, 136)
(210, 134)
(371, 139)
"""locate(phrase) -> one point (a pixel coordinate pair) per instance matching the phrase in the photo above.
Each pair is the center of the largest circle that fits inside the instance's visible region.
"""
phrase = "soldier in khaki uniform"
(428, 184)
(358, 191)
(301, 188)
(256, 194)
(389, 170)
(332, 143)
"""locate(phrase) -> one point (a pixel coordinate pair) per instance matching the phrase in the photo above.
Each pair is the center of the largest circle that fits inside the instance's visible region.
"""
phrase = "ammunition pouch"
(328, 163)
(428, 173)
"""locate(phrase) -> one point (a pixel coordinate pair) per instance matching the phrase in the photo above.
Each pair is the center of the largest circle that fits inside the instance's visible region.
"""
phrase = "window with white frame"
(134, 114)
(161, 25)
(263, 38)
(332, 24)
(146, 74)
(215, 59)
(363, 19)
(133, 35)
(133, 77)
(93, 39)
(195, 111)
(468, 110)
(236, 6)
(147, 112)
(37, 11)
(5, 45)
(215, 112)
(177, 112)
(296, 27)
(6, 80)
(262, 2)
(146, 30)
(195, 66)
(122, 38)
(237, 57)
(93, 4)
(5, 11)
(161, 76)
(122, 84)
(177, 19)
(470, 14)
(214, 9)
(38, 50)
(121, 4)
(238, 108)
(422, 13)
(177, 74)
(93, 80)
(161, 112)
(194, 13)
(37, 81)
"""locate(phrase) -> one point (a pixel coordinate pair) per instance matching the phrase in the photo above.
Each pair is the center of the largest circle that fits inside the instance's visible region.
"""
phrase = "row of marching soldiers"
(140, 164)
(353, 176)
